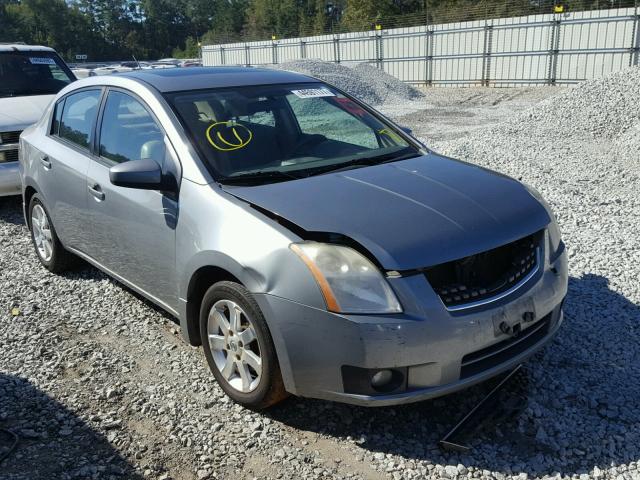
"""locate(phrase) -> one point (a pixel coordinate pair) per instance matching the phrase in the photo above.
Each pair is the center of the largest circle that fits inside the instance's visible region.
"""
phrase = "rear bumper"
(10, 183)
(434, 348)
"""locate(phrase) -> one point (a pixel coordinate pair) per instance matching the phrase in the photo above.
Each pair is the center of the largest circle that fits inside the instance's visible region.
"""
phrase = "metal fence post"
(379, 52)
(303, 49)
(336, 49)
(428, 74)
(222, 59)
(635, 45)
(486, 55)
(274, 53)
(553, 51)
(247, 60)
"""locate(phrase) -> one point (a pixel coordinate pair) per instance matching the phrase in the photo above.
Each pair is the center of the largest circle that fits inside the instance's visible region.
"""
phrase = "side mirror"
(142, 174)
(406, 130)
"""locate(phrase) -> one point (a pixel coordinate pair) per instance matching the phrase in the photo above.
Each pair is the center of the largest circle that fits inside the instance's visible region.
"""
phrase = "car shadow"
(573, 407)
(11, 213)
(11, 210)
(52, 441)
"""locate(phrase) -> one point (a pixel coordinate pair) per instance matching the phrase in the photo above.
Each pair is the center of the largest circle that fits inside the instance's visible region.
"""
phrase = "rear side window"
(129, 132)
(78, 117)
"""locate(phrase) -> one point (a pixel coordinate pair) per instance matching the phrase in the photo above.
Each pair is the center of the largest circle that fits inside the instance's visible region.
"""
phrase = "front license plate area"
(514, 318)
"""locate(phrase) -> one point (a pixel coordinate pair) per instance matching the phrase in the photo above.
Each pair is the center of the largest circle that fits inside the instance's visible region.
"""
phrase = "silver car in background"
(309, 244)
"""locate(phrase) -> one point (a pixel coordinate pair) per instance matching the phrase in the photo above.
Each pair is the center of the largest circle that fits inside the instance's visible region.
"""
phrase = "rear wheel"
(48, 248)
(238, 346)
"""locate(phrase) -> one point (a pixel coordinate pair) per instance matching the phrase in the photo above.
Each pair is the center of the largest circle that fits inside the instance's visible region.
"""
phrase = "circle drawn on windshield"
(228, 136)
(391, 134)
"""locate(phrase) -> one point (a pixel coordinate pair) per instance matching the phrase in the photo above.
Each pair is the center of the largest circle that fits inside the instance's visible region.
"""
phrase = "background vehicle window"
(129, 132)
(78, 117)
(32, 73)
(318, 116)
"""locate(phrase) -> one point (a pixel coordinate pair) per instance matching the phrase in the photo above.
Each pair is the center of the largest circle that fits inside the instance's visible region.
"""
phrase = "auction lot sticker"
(42, 61)
(313, 93)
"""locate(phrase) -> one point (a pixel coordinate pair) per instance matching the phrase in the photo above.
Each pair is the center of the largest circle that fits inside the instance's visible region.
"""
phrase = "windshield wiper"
(364, 162)
(262, 176)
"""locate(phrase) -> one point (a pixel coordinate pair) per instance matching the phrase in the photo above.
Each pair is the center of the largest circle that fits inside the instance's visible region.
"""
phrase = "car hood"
(17, 113)
(409, 214)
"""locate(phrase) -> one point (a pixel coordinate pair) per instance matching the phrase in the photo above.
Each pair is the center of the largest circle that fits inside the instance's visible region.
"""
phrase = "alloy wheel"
(234, 345)
(42, 232)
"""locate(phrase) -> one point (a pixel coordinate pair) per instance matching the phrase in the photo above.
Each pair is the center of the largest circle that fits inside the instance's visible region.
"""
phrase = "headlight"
(554, 236)
(554, 230)
(349, 282)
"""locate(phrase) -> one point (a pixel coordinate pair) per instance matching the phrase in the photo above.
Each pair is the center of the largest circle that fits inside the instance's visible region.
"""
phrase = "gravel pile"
(626, 148)
(603, 108)
(363, 81)
(98, 384)
(580, 149)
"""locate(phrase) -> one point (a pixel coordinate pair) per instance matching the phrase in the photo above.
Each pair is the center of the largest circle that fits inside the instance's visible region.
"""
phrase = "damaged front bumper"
(430, 350)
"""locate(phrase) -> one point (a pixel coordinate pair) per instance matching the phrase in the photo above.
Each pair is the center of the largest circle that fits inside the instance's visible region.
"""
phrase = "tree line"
(151, 29)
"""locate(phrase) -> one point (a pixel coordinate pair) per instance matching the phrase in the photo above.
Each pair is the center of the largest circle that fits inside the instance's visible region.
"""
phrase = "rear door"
(62, 170)
(132, 231)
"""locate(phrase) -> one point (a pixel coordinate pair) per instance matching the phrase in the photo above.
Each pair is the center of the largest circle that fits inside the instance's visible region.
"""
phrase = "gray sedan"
(309, 244)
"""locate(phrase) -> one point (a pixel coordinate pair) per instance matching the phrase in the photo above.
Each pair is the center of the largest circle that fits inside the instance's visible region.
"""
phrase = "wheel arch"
(29, 192)
(199, 283)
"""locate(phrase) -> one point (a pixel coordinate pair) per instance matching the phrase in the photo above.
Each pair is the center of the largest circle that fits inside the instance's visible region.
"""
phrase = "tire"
(54, 257)
(232, 354)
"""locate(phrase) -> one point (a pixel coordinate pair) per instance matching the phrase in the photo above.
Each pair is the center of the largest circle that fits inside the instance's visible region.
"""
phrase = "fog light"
(373, 381)
(381, 379)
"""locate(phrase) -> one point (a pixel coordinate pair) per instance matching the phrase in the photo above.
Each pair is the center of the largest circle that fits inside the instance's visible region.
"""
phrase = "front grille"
(481, 360)
(487, 274)
(10, 137)
(10, 156)
(7, 139)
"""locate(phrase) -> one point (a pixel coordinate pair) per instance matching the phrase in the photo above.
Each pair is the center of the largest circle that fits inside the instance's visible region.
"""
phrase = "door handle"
(97, 192)
(46, 163)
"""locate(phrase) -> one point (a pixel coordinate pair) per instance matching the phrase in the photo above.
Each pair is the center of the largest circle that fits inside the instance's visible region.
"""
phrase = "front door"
(132, 231)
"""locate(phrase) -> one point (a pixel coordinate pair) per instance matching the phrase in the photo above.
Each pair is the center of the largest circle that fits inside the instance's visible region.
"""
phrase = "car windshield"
(32, 73)
(281, 132)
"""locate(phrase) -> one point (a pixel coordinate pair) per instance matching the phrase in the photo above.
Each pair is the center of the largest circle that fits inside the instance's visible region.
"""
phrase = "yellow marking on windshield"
(391, 134)
(228, 128)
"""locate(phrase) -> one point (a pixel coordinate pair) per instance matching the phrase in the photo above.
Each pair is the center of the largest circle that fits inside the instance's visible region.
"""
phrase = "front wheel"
(238, 346)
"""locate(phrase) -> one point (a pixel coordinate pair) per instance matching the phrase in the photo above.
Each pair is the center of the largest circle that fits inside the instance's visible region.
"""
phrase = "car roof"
(198, 78)
(21, 47)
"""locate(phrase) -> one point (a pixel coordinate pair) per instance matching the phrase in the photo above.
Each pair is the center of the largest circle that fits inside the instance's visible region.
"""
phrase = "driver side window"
(129, 132)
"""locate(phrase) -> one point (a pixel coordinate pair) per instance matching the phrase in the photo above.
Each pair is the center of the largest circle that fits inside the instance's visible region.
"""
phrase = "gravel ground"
(98, 384)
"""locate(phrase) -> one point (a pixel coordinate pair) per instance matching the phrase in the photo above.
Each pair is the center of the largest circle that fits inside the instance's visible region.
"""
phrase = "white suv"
(30, 76)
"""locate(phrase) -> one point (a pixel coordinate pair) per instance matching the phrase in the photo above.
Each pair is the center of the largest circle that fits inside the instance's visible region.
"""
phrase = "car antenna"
(136, 60)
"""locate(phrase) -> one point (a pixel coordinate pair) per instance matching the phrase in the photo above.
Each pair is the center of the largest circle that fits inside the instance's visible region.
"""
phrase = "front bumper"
(10, 179)
(429, 342)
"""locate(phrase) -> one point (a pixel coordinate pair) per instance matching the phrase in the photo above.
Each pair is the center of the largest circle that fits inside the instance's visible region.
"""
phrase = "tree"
(273, 17)
(228, 20)
(364, 14)
(191, 49)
